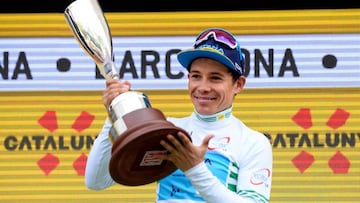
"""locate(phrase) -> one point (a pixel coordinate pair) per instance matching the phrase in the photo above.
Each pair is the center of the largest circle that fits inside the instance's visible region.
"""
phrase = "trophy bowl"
(137, 128)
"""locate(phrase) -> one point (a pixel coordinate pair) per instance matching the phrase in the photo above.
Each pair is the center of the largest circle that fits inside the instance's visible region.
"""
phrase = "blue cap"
(217, 44)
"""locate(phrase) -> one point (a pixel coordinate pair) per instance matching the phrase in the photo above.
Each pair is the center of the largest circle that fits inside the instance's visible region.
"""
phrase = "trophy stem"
(109, 70)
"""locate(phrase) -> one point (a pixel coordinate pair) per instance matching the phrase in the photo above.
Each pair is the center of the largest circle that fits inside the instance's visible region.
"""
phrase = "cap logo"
(210, 47)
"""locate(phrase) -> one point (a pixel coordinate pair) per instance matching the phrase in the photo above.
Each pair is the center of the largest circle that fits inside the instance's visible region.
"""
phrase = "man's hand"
(114, 88)
(182, 152)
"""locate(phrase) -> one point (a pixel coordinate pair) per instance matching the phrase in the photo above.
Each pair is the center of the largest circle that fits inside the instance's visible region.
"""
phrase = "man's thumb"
(207, 139)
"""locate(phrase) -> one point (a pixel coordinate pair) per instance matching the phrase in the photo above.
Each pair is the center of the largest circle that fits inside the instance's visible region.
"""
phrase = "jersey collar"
(214, 117)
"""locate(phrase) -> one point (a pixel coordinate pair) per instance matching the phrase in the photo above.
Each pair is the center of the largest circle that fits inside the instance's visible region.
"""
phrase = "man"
(226, 161)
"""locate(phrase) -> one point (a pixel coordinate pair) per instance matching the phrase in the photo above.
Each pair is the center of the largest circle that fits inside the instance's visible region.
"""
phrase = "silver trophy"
(137, 128)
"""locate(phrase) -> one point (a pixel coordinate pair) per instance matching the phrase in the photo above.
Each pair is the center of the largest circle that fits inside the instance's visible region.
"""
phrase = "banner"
(302, 90)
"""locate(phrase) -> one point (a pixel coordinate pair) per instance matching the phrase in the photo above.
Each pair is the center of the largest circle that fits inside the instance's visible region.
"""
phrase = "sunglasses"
(219, 35)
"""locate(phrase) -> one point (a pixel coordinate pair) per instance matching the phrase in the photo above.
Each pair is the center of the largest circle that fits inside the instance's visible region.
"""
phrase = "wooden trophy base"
(132, 161)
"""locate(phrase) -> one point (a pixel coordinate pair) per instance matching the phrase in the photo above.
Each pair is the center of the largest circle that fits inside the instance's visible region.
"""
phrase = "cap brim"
(187, 56)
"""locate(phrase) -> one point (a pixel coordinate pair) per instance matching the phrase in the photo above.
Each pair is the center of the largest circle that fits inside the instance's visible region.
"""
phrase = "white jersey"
(237, 166)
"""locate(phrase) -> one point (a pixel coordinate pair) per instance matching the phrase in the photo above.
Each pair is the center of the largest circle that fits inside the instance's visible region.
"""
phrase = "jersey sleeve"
(255, 174)
(97, 175)
(210, 188)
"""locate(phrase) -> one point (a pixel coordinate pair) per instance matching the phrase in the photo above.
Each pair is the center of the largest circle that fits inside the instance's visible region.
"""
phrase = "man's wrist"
(197, 169)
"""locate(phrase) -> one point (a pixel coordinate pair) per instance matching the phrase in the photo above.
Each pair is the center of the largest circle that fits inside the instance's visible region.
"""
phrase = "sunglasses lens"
(219, 35)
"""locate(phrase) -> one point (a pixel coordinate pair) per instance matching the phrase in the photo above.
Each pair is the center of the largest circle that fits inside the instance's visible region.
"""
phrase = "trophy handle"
(91, 29)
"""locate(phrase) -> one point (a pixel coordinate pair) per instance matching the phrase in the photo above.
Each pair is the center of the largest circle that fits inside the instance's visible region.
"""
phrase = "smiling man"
(225, 161)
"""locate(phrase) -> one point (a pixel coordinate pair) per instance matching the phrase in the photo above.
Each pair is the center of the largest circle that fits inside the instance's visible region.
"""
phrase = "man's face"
(211, 86)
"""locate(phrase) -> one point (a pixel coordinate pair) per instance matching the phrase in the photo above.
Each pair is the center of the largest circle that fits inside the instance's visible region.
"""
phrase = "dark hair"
(235, 75)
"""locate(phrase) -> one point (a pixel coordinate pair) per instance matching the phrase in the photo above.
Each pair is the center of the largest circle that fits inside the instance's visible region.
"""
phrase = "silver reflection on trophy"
(90, 28)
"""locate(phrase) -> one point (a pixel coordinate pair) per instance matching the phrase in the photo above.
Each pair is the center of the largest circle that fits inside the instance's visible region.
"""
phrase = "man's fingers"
(172, 144)
(207, 139)
(167, 146)
(184, 138)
